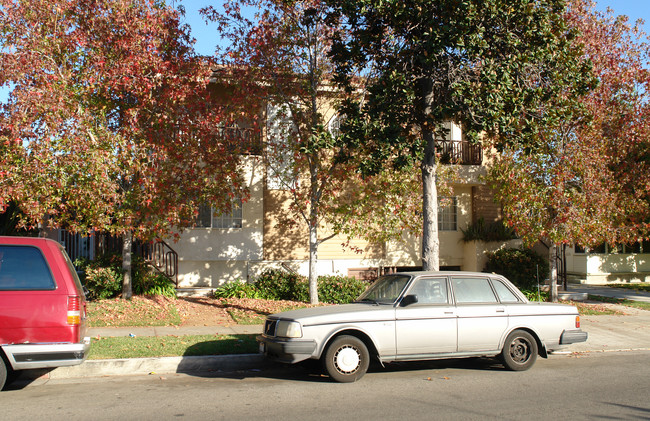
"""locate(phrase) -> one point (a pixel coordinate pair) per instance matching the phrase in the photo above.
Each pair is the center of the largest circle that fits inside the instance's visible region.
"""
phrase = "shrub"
(149, 283)
(237, 289)
(519, 266)
(102, 282)
(281, 285)
(339, 289)
(496, 231)
(103, 277)
(535, 295)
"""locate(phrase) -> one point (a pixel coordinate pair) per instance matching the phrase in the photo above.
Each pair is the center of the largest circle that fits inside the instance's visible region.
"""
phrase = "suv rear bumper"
(27, 356)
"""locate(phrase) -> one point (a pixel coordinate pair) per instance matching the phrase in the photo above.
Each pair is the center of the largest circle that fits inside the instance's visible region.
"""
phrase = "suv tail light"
(577, 322)
(74, 310)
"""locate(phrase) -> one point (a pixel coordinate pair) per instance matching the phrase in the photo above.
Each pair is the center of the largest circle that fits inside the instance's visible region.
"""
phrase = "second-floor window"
(447, 214)
(209, 217)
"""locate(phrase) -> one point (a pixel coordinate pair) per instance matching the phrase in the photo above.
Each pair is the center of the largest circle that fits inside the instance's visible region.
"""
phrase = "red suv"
(42, 307)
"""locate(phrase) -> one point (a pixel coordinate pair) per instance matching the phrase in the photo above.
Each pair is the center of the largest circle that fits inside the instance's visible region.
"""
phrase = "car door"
(482, 319)
(429, 325)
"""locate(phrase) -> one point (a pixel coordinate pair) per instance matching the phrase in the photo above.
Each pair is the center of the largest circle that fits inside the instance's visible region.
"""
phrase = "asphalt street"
(628, 332)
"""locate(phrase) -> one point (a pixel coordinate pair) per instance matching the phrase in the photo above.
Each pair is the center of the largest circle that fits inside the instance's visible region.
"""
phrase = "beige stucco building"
(607, 264)
(257, 240)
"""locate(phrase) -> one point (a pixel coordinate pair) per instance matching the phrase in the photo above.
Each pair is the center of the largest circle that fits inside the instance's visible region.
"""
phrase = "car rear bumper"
(286, 350)
(573, 336)
(28, 356)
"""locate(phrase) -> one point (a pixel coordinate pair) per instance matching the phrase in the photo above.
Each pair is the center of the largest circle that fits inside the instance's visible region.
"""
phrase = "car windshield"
(385, 290)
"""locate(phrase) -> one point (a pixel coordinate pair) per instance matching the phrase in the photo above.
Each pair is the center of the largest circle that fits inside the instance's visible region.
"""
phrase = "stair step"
(194, 292)
(573, 296)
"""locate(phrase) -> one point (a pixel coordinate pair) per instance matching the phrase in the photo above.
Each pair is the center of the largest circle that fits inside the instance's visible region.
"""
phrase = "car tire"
(3, 372)
(346, 359)
(519, 351)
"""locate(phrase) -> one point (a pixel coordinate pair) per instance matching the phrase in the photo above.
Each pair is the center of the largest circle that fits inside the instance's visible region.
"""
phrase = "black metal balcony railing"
(459, 152)
(246, 141)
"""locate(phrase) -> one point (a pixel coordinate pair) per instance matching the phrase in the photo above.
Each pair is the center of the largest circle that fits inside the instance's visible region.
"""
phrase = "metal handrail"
(162, 258)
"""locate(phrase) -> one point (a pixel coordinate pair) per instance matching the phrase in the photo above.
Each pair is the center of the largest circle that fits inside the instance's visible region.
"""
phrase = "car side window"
(504, 293)
(24, 268)
(430, 290)
(473, 290)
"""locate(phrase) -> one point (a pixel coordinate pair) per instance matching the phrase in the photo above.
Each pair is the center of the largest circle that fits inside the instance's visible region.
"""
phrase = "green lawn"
(171, 346)
(637, 287)
(627, 303)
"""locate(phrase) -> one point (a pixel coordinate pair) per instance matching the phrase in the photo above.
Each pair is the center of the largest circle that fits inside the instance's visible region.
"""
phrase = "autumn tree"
(108, 125)
(589, 182)
(500, 69)
(279, 68)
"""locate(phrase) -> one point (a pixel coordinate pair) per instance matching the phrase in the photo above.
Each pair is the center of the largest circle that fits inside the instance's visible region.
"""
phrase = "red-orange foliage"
(590, 182)
(109, 123)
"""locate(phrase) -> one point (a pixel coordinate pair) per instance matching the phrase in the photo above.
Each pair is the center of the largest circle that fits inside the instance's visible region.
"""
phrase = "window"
(24, 268)
(430, 291)
(210, 218)
(633, 248)
(387, 289)
(645, 246)
(504, 293)
(280, 143)
(473, 290)
(334, 125)
(447, 214)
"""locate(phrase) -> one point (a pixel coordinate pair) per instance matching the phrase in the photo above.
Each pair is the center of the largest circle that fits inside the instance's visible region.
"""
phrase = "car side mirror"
(408, 300)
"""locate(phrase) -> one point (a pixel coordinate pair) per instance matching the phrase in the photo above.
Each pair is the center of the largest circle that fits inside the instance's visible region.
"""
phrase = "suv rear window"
(24, 268)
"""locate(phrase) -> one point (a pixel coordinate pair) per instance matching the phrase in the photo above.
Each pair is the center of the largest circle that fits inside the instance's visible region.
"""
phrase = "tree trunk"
(552, 276)
(313, 260)
(127, 284)
(430, 240)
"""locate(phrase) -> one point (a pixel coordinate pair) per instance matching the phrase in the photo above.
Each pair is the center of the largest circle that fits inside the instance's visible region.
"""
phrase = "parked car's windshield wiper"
(368, 300)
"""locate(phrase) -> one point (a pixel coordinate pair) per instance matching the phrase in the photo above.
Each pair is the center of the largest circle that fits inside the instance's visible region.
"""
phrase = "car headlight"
(287, 329)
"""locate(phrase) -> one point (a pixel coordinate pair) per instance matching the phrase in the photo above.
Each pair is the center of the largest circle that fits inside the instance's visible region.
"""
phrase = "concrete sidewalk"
(630, 331)
(604, 291)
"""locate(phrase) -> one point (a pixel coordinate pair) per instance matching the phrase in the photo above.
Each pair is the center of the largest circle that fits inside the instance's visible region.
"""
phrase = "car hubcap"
(347, 359)
(520, 350)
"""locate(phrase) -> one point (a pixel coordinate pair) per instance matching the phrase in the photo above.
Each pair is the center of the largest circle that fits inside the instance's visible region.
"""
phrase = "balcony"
(245, 141)
(459, 152)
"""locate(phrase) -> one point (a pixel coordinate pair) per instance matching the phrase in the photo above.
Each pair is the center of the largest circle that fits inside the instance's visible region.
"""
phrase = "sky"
(207, 38)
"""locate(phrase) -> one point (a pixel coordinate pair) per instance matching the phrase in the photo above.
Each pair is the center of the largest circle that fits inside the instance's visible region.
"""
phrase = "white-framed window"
(447, 214)
(334, 125)
(639, 247)
(281, 131)
(209, 217)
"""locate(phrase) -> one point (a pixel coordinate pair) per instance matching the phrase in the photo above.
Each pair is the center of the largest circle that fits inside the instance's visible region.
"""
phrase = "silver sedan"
(414, 316)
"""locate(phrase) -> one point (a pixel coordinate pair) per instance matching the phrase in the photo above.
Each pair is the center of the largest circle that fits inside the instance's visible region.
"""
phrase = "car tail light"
(74, 310)
(577, 322)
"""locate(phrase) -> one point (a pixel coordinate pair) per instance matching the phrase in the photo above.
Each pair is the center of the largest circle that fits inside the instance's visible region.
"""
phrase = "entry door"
(428, 326)
(482, 320)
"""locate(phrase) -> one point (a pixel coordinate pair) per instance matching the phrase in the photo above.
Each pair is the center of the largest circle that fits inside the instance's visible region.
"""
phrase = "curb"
(154, 365)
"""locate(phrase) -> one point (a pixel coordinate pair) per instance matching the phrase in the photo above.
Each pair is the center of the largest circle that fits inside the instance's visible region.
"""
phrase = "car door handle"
(501, 310)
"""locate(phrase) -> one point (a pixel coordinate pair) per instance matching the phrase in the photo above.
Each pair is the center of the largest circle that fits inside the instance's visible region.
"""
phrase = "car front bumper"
(286, 350)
